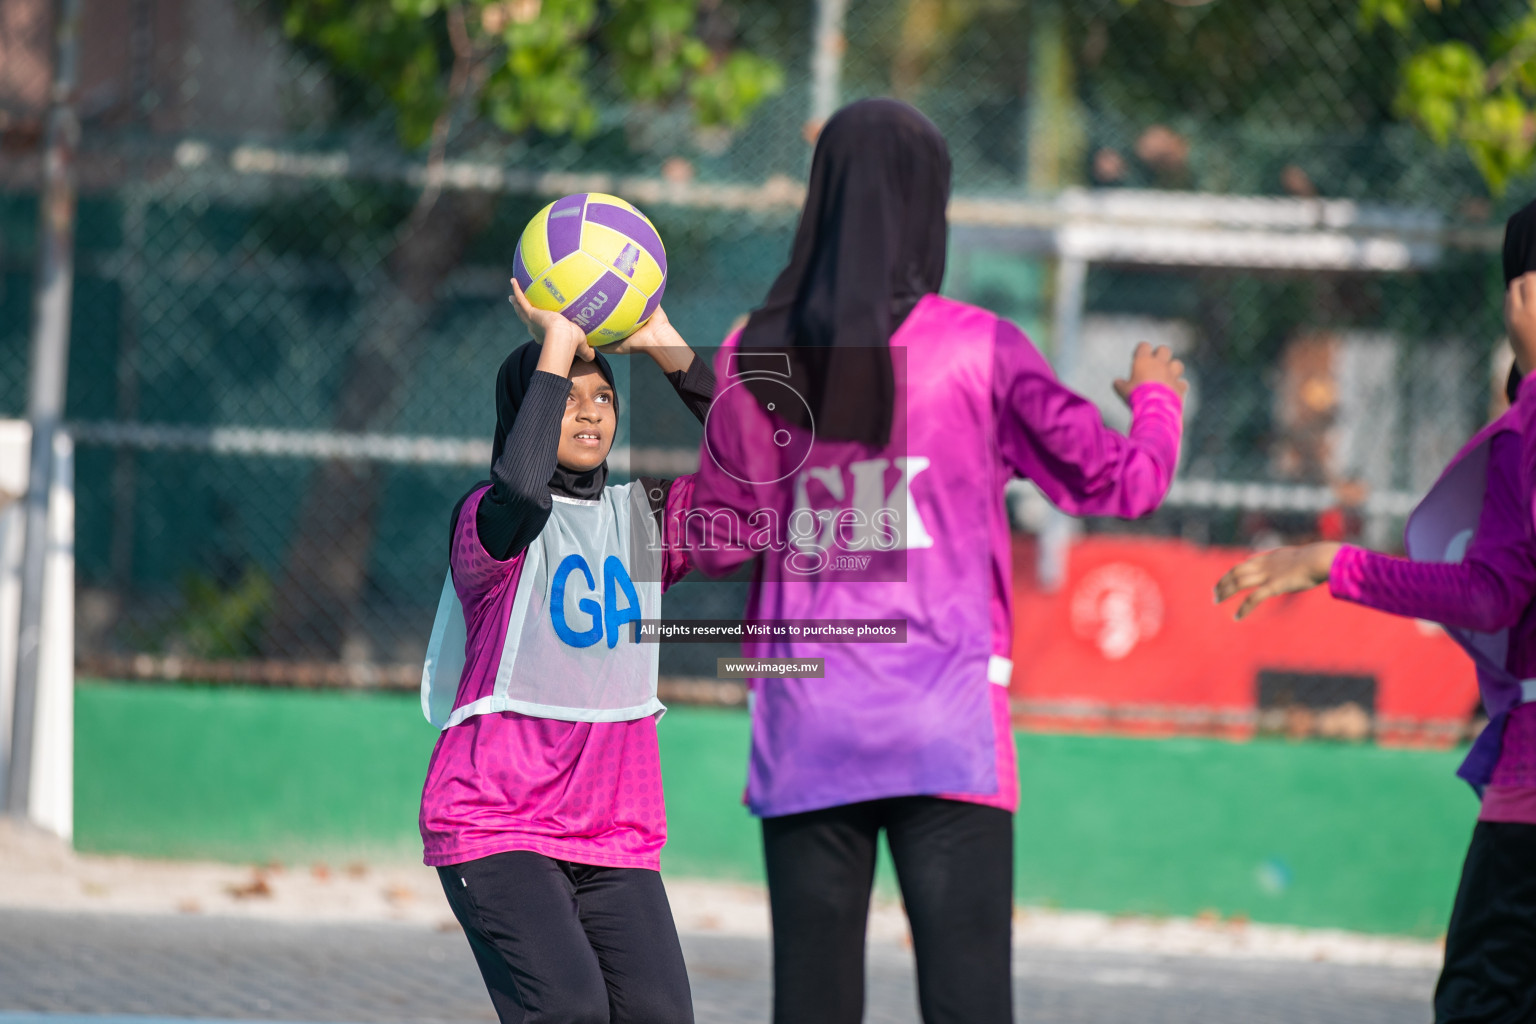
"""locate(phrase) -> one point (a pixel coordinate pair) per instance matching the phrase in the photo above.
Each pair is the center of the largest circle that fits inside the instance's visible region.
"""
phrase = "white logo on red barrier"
(1116, 607)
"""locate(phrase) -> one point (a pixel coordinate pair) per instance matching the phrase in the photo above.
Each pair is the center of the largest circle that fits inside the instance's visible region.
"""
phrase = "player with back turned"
(896, 404)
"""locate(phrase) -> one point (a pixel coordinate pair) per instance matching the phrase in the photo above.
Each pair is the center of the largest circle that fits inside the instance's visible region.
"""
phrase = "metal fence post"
(827, 59)
(53, 288)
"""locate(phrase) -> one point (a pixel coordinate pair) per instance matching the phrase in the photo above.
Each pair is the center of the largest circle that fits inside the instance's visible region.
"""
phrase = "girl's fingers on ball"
(519, 301)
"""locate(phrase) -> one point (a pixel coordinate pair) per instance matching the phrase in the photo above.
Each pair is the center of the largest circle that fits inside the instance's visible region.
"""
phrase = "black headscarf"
(871, 243)
(1519, 258)
(512, 382)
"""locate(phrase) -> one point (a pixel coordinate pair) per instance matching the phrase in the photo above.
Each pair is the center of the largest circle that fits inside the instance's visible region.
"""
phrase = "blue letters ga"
(615, 579)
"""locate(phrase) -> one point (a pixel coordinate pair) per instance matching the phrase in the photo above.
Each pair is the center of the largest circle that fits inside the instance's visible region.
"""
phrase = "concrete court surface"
(91, 937)
(68, 967)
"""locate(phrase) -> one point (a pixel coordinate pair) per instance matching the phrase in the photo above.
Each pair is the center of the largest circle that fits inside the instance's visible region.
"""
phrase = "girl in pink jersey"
(542, 808)
(881, 421)
(1472, 568)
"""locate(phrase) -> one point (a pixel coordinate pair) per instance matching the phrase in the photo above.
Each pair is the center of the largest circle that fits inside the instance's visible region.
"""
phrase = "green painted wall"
(1346, 836)
(247, 775)
(1315, 834)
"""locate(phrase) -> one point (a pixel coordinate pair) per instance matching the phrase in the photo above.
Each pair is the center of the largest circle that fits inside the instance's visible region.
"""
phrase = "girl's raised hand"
(1280, 571)
(1148, 366)
(656, 332)
(658, 339)
(550, 328)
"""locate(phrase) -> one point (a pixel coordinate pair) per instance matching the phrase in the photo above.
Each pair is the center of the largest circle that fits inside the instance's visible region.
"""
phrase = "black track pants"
(954, 862)
(564, 943)
(1490, 949)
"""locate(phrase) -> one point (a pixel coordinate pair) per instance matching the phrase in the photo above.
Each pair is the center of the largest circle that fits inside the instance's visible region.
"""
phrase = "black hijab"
(512, 382)
(870, 243)
(1519, 258)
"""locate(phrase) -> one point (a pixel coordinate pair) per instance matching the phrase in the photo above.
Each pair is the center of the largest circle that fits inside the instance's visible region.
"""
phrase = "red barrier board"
(1133, 641)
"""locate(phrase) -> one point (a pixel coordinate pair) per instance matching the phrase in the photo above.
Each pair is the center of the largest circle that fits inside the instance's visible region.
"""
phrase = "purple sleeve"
(675, 561)
(715, 495)
(1488, 590)
(1051, 435)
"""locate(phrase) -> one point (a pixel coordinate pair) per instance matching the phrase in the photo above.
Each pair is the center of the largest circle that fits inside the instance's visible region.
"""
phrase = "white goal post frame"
(51, 784)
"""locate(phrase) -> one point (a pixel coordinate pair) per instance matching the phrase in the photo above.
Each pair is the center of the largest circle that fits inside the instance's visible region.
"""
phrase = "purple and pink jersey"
(1489, 591)
(588, 792)
(976, 405)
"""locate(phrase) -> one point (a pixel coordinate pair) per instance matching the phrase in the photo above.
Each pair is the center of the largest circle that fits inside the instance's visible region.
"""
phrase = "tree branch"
(458, 81)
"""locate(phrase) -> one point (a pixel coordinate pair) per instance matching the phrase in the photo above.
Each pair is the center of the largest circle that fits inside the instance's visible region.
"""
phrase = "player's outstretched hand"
(549, 328)
(1280, 571)
(1520, 319)
(658, 339)
(1149, 365)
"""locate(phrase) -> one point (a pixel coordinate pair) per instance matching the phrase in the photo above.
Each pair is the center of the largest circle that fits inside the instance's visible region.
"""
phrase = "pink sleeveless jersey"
(928, 716)
(588, 792)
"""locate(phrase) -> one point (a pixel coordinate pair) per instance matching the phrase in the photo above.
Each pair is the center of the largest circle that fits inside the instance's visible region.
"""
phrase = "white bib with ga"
(572, 650)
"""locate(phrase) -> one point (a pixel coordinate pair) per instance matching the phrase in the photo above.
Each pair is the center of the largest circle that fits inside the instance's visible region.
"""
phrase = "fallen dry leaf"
(256, 888)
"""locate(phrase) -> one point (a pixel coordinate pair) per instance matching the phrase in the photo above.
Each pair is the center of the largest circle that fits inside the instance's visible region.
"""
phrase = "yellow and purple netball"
(596, 259)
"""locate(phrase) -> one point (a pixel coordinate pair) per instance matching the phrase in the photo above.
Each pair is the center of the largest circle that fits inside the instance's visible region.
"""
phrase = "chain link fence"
(286, 324)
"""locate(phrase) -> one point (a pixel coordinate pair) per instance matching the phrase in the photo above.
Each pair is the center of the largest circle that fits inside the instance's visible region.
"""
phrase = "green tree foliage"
(545, 65)
(1464, 74)
(1483, 101)
(1460, 81)
(1240, 95)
